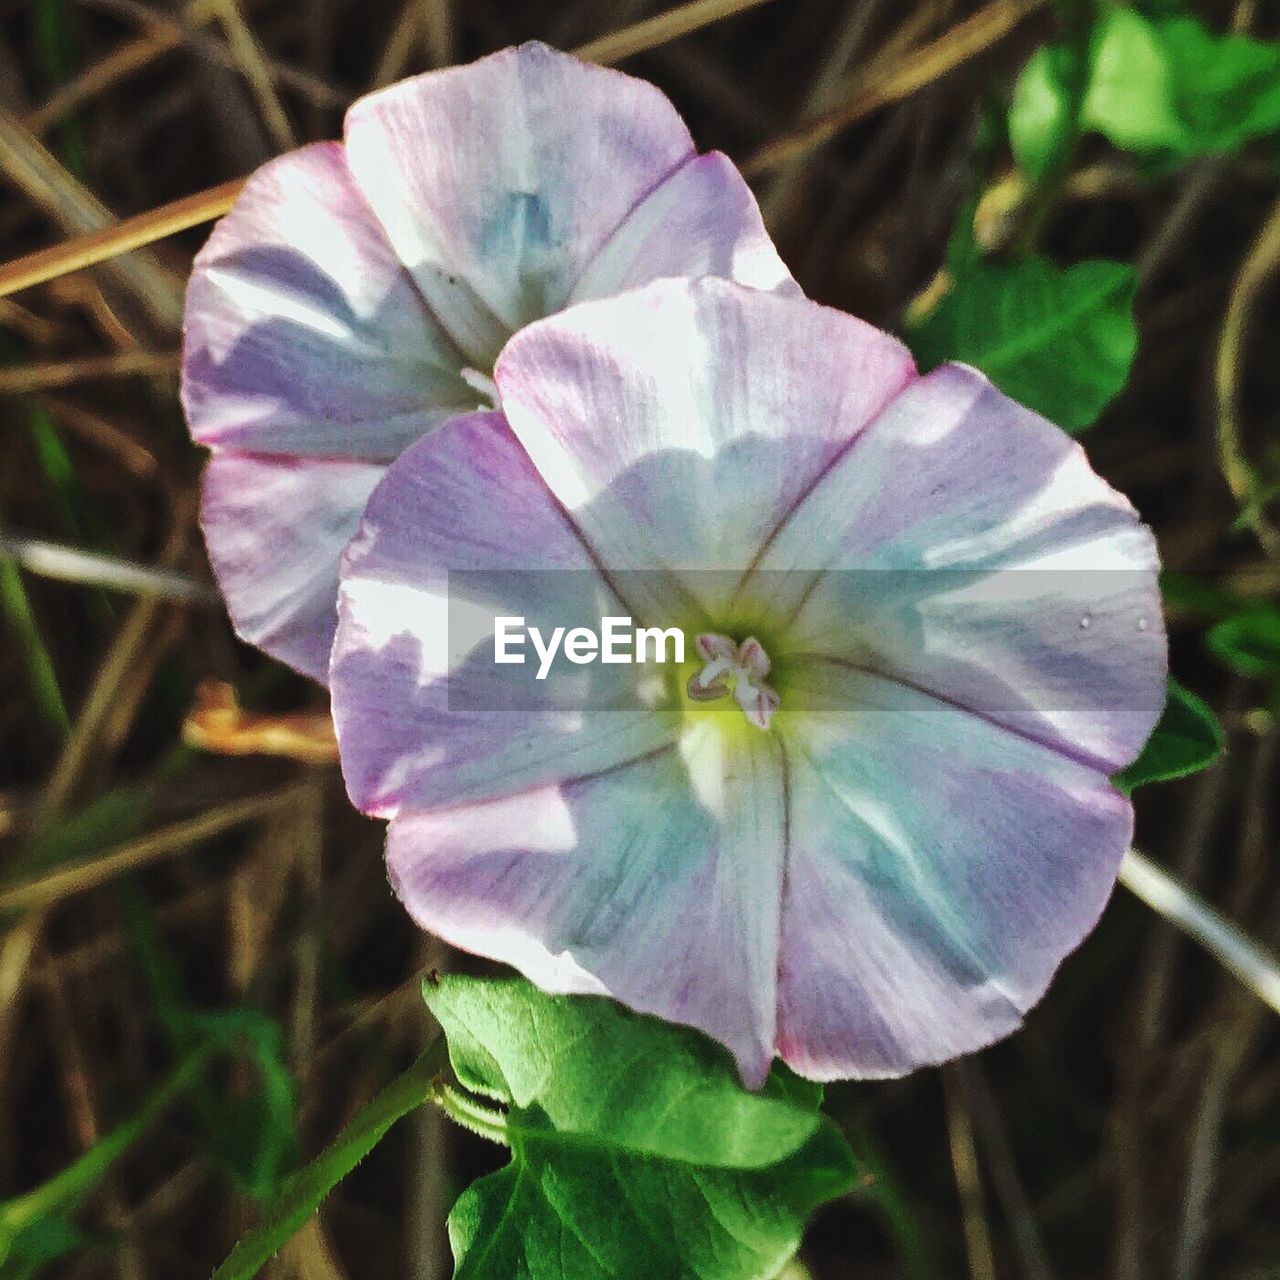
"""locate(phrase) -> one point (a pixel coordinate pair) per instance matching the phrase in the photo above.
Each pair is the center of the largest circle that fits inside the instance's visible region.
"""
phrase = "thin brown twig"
(82, 1104)
(119, 238)
(23, 379)
(122, 62)
(780, 198)
(993, 1140)
(166, 842)
(45, 181)
(186, 29)
(661, 29)
(964, 1160)
(1242, 479)
(964, 41)
(99, 77)
(400, 45)
(35, 328)
(205, 206)
(102, 434)
(1235, 1028)
(252, 61)
(439, 29)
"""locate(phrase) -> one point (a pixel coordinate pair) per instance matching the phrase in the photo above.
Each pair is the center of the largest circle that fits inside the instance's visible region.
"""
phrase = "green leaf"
(1226, 88)
(255, 1134)
(1130, 93)
(635, 1151)
(1167, 86)
(1249, 643)
(301, 1193)
(21, 1234)
(1042, 129)
(1060, 341)
(1199, 595)
(34, 1247)
(1187, 739)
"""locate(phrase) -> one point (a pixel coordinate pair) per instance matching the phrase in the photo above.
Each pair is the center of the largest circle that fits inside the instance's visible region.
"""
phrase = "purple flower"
(357, 295)
(862, 824)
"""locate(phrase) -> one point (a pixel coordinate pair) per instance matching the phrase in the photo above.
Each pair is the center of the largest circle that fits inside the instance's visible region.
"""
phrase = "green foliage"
(300, 1194)
(37, 1245)
(1249, 643)
(1060, 341)
(1187, 739)
(253, 1134)
(635, 1151)
(35, 1228)
(1043, 113)
(80, 837)
(42, 675)
(1160, 85)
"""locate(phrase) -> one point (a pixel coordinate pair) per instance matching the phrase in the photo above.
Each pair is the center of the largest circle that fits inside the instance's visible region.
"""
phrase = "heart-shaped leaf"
(635, 1151)
(1060, 341)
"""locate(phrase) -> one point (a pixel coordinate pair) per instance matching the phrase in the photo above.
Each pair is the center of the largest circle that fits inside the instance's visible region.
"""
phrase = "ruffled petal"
(702, 221)
(461, 532)
(657, 883)
(964, 546)
(680, 423)
(498, 182)
(304, 333)
(275, 529)
(939, 870)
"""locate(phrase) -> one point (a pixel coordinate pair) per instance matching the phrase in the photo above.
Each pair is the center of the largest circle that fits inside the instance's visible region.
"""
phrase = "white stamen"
(484, 384)
(746, 665)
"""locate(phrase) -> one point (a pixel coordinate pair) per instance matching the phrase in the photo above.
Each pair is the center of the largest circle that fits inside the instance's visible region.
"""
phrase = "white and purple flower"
(863, 826)
(358, 294)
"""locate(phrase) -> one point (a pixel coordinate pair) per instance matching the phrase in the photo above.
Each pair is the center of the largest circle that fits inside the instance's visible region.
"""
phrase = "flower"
(954, 623)
(356, 296)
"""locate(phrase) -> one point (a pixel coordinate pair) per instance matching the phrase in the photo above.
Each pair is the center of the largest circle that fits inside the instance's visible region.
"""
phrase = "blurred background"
(178, 860)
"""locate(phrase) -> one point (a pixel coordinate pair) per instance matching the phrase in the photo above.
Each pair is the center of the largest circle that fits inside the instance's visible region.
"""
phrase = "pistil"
(735, 669)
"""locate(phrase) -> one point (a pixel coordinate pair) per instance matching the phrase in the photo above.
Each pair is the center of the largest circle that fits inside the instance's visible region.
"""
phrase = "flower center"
(737, 669)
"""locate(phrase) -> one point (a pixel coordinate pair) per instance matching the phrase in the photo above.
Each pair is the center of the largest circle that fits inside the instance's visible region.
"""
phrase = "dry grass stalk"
(964, 41)
(35, 171)
(24, 379)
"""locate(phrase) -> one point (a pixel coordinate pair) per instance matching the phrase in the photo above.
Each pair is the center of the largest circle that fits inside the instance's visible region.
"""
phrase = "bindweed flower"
(866, 818)
(357, 295)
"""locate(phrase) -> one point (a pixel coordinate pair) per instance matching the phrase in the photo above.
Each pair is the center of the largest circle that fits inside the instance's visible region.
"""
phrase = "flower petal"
(940, 868)
(498, 182)
(460, 532)
(964, 546)
(679, 423)
(304, 333)
(655, 883)
(275, 529)
(702, 221)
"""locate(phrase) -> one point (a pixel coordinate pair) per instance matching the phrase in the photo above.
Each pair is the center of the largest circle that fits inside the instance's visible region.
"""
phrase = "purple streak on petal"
(702, 221)
(497, 182)
(304, 333)
(680, 422)
(965, 546)
(275, 529)
(939, 871)
(622, 884)
(463, 527)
